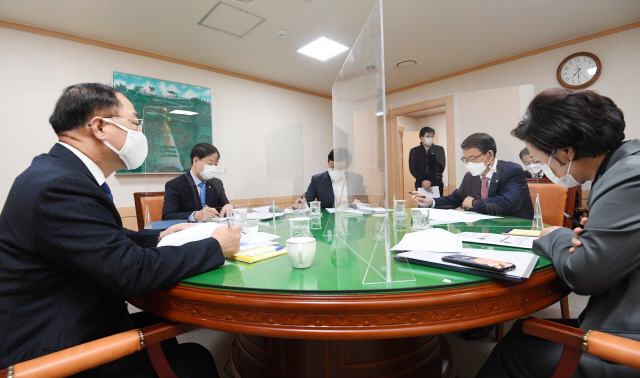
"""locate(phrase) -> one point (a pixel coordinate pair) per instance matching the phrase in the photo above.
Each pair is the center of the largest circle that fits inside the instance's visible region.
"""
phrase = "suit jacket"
(607, 266)
(67, 265)
(422, 171)
(508, 193)
(322, 189)
(181, 197)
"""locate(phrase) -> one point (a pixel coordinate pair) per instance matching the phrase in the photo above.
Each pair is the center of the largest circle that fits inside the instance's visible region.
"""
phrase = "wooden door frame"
(394, 160)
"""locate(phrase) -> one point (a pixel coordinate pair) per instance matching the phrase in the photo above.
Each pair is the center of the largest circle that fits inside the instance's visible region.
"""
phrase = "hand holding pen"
(575, 241)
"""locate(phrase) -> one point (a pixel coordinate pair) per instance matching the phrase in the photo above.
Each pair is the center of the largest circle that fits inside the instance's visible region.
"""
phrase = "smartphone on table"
(480, 263)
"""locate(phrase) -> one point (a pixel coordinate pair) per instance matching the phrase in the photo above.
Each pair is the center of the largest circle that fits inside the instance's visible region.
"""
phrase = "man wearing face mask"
(336, 186)
(427, 161)
(198, 194)
(67, 264)
(491, 186)
(579, 136)
(532, 167)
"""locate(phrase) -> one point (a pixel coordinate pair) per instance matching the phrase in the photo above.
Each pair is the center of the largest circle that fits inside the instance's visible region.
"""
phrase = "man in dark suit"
(336, 186)
(427, 161)
(197, 195)
(66, 263)
(531, 166)
(491, 186)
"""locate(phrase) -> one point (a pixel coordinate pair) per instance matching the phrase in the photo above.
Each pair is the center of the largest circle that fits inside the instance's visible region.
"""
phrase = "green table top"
(350, 259)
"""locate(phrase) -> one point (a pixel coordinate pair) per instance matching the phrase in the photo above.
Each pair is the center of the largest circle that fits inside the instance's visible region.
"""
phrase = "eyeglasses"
(134, 121)
(470, 159)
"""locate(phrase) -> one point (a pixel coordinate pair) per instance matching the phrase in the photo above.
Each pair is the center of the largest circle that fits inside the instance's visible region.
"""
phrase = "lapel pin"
(496, 181)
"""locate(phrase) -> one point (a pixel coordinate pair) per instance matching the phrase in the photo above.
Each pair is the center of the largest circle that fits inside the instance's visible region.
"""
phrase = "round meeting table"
(351, 314)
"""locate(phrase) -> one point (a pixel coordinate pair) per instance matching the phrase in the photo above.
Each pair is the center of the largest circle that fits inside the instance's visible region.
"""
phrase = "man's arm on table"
(77, 231)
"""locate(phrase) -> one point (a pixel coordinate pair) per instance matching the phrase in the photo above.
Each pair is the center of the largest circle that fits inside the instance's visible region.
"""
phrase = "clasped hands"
(575, 241)
(209, 212)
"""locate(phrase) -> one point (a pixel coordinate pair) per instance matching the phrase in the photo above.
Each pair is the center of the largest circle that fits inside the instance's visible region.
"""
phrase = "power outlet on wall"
(222, 169)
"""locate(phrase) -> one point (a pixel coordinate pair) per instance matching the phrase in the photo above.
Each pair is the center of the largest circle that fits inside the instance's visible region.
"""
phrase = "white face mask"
(566, 181)
(208, 172)
(335, 175)
(476, 169)
(428, 142)
(534, 168)
(135, 148)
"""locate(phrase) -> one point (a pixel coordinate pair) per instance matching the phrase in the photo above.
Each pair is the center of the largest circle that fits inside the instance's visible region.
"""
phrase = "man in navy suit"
(197, 195)
(491, 186)
(66, 262)
(336, 185)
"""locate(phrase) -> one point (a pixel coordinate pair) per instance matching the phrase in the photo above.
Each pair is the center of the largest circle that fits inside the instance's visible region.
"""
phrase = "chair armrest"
(95, 353)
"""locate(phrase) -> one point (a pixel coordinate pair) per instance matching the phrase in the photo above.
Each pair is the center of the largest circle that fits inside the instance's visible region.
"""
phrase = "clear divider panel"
(361, 223)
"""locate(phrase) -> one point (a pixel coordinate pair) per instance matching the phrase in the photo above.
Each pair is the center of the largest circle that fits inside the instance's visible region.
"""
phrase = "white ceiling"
(443, 35)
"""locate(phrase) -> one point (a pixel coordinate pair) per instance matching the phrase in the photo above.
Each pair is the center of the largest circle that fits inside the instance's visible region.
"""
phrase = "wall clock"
(579, 70)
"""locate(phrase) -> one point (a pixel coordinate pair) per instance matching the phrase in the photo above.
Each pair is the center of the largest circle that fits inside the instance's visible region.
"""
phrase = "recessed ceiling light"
(184, 112)
(407, 63)
(323, 49)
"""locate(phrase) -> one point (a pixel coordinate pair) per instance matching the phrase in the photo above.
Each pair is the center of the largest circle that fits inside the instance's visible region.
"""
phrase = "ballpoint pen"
(418, 195)
(573, 220)
(263, 252)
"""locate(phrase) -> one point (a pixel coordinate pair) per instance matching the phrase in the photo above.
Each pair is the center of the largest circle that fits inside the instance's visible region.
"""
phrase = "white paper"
(498, 239)
(262, 216)
(455, 216)
(524, 262)
(433, 240)
(331, 210)
(197, 232)
(434, 193)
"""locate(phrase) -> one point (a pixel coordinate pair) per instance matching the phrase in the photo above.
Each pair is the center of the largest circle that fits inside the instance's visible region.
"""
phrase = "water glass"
(420, 219)
(240, 217)
(316, 222)
(315, 207)
(300, 227)
(400, 208)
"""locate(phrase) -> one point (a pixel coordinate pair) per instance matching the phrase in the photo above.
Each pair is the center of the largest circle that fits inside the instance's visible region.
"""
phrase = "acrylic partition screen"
(359, 145)
(260, 161)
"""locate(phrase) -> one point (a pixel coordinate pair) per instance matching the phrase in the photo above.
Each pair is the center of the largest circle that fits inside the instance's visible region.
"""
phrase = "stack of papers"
(498, 239)
(259, 254)
(254, 245)
(432, 240)
(434, 193)
(262, 216)
(454, 216)
(524, 262)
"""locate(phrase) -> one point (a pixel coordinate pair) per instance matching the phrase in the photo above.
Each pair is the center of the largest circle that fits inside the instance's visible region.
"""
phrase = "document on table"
(455, 216)
(204, 230)
(497, 239)
(524, 262)
(432, 240)
(262, 216)
(433, 193)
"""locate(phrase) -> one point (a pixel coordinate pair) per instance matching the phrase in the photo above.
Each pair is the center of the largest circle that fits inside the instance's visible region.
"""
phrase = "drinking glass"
(420, 219)
(315, 207)
(300, 227)
(240, 217)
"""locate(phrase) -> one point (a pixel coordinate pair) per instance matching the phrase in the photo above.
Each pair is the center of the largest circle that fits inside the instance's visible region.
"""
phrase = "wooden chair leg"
(564, 308)
(568, 362)
(499, 331)
(159, 361)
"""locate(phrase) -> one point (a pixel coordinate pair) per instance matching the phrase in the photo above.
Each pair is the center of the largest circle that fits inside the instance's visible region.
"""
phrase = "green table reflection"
(349, 260)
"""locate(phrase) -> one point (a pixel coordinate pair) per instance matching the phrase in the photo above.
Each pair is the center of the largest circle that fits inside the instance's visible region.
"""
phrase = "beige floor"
(474, 352)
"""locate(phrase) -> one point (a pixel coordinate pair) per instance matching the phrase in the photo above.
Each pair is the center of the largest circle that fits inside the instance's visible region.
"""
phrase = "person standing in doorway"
(427, 161)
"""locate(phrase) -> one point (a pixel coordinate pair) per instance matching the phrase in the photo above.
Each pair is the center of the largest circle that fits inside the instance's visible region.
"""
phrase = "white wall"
(620, 78)
(35, 69)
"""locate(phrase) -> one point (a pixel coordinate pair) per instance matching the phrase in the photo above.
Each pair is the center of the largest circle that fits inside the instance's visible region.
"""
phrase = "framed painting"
(175, 116)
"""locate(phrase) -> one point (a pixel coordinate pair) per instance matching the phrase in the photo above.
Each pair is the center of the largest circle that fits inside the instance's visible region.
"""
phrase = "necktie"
(203, 193)
(107, 190)
(484, 192)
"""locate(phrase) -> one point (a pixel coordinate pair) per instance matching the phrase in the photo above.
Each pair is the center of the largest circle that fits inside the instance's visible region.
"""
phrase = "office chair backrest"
(554, 200)
(154, 200)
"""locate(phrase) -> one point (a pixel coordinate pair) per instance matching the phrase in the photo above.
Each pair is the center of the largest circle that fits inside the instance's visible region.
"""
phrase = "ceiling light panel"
(323, 48)
(232, 20)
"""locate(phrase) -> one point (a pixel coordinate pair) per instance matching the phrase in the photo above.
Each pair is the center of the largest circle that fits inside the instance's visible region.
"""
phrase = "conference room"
(411, 76)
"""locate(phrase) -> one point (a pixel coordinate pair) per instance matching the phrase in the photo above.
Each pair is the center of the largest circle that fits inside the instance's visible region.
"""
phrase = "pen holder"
(301, 251)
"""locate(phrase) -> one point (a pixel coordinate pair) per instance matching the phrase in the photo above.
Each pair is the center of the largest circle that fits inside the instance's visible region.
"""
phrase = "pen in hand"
(573, 220)
(417, 195)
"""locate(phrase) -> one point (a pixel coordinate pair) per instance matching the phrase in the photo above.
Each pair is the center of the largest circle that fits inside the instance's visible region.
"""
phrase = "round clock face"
(579, 70)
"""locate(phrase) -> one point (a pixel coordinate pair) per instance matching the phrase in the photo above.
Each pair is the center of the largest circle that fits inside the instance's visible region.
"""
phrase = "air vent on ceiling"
(406, 63)
(232, 20)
